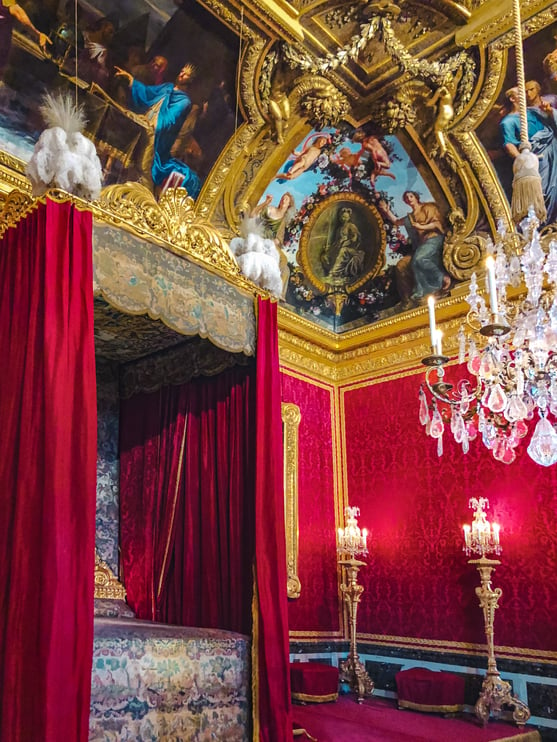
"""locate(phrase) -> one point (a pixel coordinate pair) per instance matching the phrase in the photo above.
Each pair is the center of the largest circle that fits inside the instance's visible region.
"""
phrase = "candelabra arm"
(352, 670)
(495, 692)
(440, 389)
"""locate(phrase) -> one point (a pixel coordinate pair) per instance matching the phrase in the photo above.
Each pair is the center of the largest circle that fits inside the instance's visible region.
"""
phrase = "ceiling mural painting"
(157, 83)
(370, 140)
(361, 231)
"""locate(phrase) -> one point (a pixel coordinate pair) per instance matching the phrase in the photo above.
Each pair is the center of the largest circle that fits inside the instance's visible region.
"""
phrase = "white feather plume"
(58, 109)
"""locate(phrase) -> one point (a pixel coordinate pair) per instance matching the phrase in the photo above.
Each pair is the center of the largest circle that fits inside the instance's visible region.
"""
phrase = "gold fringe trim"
(314, 699)
(442, 709)
(255, 659)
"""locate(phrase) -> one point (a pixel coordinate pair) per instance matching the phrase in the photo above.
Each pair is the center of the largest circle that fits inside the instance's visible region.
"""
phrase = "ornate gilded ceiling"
(366, 137)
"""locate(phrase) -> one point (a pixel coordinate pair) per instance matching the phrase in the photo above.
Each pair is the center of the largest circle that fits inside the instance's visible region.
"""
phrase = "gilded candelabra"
(483, 538)
(350, 543)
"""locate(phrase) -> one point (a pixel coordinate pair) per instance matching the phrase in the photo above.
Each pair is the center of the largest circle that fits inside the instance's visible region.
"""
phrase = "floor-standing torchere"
(352, 542)
(483, 538)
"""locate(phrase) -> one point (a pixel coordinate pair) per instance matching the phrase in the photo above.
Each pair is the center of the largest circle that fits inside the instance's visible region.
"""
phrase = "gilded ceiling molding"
(493, 20)
(368, 353)
(210, 203)
(489, 185)
(281, 16)
(496, 67)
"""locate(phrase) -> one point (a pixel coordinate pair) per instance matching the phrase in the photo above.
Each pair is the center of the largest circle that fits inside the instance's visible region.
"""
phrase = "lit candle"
(490, 264)
(467, 535)
(432, 330)
(496, 528)
(438, 346)
(364, 538)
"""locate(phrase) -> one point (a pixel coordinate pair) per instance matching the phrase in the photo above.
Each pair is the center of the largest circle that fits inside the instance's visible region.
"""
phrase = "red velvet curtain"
(47, 476)
(187, 501)
(275, 724)
(200, 494)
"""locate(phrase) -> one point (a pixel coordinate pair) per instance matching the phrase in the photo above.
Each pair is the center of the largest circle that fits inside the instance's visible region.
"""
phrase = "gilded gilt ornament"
(495, 693)
(320, 102)
(396, 113)
(14, 206)
(291, 421)
(106, 584)
(352, 670)
(172, 219)
(462, 252)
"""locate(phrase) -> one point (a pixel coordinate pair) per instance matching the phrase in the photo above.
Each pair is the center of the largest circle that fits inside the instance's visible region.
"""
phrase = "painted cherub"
(379, 155)
(306, 157)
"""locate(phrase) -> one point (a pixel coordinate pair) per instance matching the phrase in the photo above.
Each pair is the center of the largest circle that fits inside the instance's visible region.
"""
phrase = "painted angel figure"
(305, 158)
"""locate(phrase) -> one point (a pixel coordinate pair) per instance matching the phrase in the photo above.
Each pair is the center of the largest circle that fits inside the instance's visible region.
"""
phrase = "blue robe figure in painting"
(542, 134)
(168, 107)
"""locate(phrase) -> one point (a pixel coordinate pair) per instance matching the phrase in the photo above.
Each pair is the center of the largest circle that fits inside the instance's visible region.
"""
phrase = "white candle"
(438, 346)
(496, 528)
(490, 264)
(364, 538)
(432, 330)
(467, 535)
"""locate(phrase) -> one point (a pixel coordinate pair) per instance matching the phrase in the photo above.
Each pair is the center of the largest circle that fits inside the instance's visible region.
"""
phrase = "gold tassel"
(527, 187)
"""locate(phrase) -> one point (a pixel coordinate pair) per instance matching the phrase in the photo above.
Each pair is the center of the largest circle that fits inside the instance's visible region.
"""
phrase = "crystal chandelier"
(513, 377)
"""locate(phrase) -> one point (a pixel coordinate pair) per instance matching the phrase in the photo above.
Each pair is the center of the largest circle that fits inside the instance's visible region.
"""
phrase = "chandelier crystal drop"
(513, 377)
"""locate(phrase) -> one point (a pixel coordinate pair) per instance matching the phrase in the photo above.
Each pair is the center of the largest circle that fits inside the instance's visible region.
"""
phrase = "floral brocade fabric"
(153, 682)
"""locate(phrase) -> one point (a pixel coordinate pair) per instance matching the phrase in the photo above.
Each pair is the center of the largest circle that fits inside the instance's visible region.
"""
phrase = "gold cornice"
(393, 346)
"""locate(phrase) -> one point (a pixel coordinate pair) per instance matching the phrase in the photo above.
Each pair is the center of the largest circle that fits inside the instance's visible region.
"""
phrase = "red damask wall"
(316, 610)
(417, 580)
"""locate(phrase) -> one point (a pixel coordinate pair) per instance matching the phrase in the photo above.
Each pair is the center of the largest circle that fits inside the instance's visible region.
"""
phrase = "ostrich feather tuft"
(58, 109)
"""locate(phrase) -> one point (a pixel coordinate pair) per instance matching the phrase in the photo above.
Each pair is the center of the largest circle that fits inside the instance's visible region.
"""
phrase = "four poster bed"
(188, 495)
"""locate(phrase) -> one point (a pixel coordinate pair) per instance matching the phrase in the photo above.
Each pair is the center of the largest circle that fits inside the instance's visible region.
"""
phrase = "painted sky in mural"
(151, 121)
(359, 227)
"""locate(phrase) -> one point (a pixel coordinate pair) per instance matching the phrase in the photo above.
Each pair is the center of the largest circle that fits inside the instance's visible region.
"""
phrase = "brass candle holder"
(495, 692)
(351, 542)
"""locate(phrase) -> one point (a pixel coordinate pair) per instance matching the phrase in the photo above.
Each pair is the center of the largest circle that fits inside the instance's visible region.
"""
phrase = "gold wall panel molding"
(291, 417)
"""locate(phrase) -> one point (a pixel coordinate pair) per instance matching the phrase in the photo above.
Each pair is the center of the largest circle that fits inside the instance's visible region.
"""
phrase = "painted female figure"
(271, 224)
(424, 225)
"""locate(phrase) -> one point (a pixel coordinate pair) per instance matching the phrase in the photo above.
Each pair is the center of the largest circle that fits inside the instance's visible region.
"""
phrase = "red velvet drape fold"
(275, 724)
(48, 436)
(187, 502)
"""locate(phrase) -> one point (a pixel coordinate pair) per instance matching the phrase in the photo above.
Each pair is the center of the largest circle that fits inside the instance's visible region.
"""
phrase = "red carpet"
(379, 720)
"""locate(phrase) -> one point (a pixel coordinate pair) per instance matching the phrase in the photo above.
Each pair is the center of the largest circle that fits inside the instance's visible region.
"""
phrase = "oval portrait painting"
(343, 243)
